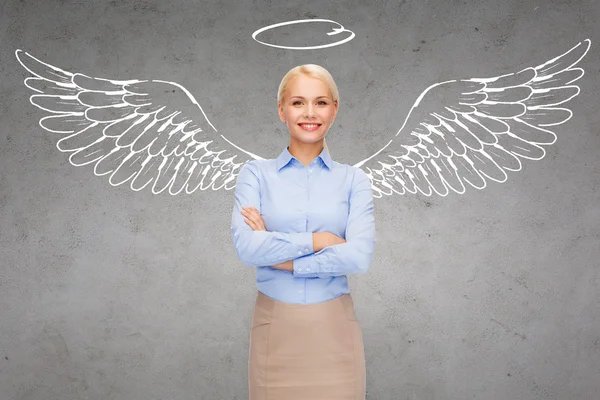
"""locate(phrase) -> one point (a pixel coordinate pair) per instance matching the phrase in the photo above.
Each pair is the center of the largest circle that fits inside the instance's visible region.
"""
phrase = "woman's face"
(308, 109)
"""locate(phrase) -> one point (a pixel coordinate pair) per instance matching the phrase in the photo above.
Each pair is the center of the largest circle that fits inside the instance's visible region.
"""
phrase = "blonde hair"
(313, 71)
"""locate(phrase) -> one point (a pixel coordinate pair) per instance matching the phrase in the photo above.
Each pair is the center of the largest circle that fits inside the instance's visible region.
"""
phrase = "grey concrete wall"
(109, 293)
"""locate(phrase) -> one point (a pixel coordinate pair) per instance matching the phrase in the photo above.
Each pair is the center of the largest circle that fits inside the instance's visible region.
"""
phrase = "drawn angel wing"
(145, 132)
(467, 131)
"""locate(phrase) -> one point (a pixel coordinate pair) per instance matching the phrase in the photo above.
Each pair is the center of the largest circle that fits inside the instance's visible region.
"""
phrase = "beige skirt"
(306, 351)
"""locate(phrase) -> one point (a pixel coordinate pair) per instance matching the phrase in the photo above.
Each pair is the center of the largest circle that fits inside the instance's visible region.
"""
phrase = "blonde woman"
(305, 222)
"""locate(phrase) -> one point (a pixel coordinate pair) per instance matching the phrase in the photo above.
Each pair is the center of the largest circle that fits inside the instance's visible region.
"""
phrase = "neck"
(305, 152)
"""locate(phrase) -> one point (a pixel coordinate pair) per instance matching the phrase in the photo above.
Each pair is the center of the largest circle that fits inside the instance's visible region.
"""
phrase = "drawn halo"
(334, 32)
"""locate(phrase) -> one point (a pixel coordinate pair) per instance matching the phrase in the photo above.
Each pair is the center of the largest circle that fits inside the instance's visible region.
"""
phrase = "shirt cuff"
(306, 267)
(304, 243)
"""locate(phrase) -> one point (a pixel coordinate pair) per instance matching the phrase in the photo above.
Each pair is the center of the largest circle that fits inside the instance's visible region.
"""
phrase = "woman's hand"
(325, 239)
(253, 218)
(285, 266)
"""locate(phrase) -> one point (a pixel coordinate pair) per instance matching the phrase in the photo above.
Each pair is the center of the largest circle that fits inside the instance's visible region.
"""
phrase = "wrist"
(319, 241)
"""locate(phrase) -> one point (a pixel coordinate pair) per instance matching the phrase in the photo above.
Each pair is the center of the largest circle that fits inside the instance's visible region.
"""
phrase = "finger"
(260, 225)
(249, 215)
(255, 219)
(258, 219)
(254, 227)
(254, 216)
(250, 223)
(248, 219)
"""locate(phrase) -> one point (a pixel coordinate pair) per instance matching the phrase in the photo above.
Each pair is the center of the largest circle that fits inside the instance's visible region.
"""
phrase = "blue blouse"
(295, 201)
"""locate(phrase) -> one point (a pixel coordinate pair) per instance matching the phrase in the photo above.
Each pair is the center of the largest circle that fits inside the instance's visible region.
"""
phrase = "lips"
(309, 126)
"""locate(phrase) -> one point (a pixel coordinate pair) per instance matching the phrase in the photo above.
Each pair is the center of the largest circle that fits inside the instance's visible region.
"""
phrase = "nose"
(309, 110)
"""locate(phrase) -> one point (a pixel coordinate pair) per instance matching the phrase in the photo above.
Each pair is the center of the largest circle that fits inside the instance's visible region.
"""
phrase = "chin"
(308, 137)
(308, 140)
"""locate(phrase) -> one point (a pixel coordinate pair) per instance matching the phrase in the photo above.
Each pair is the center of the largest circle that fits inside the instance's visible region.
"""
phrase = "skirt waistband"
(342, 306)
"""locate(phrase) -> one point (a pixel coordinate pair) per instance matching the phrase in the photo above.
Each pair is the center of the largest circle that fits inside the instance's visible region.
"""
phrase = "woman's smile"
(309, 127)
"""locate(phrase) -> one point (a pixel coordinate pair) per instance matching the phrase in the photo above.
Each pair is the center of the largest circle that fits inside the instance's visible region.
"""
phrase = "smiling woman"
(308, 112)
(311, 91)
(305, 222)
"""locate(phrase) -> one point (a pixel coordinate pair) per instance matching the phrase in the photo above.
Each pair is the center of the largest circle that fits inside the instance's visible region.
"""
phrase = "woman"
(305, 222)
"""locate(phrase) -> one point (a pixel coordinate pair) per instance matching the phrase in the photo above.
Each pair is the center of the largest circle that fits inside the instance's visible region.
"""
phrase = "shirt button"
(299, 290)
(299, 252)
(306, 250)
(308, 269)
(299, 269)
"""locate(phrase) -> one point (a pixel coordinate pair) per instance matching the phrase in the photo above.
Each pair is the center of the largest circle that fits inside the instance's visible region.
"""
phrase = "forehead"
(307, 86)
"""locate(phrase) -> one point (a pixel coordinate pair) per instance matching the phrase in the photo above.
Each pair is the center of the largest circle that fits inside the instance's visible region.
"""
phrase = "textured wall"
(110, 293)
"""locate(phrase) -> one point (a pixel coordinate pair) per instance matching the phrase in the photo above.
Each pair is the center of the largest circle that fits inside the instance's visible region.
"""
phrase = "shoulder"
(257, 164)
(256, 167)
(356, 174)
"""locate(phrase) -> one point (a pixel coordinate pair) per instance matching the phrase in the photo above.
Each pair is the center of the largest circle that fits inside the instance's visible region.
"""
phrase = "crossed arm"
(306, 254)
(320, 240)
(257, 247)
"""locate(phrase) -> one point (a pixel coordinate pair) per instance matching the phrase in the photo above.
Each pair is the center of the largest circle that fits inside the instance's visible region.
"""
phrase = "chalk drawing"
(312, 29)
(150, 133)
(481, 128)
(153, 133)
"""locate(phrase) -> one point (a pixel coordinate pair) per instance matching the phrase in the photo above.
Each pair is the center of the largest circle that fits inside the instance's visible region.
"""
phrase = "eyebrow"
(300, 97)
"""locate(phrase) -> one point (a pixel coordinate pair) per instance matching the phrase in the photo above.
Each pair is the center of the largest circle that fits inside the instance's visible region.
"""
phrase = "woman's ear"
(280, 112)
(335, 110)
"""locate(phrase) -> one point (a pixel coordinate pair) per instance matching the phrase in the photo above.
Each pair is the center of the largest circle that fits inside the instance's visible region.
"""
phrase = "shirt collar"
(285, 157)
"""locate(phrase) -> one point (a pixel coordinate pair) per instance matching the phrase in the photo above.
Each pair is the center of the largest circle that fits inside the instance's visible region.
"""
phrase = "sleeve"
(354, 256)
(261, 248)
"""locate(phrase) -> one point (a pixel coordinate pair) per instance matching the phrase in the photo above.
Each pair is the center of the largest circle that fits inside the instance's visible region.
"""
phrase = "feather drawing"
(481, 128)
(458, 133)
(132, 132)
